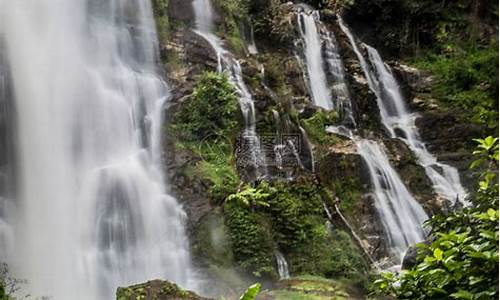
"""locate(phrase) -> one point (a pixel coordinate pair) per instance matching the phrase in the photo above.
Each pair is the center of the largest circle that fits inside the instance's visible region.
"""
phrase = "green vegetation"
(273, 21)
(251, 292)
(291, 218)
(406, 27)
(316, 126)
(310, 288)
(8, 284)
(206, 125)
(3, 294)
(162, 22)
(234, 14)
(455, 40)
(348, 189)
(155, 289)
(251, 243)
(212, 111)
(467, 79)
(461, 260)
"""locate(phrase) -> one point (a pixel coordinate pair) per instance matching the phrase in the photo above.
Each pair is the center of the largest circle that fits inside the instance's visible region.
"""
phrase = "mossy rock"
(311, 288)
(155, 290)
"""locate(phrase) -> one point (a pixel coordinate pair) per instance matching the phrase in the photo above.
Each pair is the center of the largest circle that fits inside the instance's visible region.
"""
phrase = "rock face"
(445, 134)
(275, 78)
(155, 290)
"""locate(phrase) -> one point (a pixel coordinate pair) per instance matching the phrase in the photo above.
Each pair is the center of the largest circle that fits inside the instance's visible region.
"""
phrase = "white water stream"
(283, 271)
(316, 75)
(401, 124)
(400, 214)
(93, 211)
(204, 15)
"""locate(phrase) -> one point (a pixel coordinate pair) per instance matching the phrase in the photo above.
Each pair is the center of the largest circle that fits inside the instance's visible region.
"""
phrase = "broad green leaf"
(463, 295)
(438, 254)
(492, 214)
(251, 293)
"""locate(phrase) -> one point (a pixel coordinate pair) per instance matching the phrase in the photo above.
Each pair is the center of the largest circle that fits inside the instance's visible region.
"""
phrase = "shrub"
(293, 215)
(206, 125)
(461, 262)
(212, 110)
(250, 241)
(467, 79)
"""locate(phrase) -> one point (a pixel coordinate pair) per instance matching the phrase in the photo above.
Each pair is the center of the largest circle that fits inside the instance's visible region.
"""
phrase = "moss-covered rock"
(311, 288)
(290, 218)
(155, 290)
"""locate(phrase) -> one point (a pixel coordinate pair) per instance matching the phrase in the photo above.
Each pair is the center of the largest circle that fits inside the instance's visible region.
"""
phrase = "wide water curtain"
(92, 208)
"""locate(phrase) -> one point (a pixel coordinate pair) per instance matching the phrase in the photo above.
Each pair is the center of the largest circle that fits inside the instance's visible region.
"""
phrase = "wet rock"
(199, 51)
(413, 175)
(181, 11)
(410, 259)
(156, 290)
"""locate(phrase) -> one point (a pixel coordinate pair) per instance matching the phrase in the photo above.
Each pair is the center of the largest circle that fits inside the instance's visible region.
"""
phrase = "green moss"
(173, 61)
(294, 295)
(316, 126)
(310, 288)
(275, 75)
(220, 174)
(349, 191)
(155, 289)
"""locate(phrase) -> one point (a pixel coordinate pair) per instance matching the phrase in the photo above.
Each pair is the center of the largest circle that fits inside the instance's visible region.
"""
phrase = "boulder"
(155, 290)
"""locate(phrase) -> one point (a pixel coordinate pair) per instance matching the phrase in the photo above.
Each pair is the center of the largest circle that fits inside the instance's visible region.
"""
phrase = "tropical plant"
(250, 197)
(460, 261)
(251, 293)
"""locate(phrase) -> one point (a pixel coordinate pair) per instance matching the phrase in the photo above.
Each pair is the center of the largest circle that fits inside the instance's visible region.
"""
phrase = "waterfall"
(400, 214)
(204, 15)
(251, 46)
(7, 159)
(401, 124)
(313, 54)
(93, 212)
(340, 89)
(282, 265)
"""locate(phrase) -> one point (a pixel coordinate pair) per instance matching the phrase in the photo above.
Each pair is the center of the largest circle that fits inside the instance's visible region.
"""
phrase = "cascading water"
(92, 211)
(283, 271)
(204, 15)
(401, 124)
(400, 214)
(340, 89)
(316, 75)
(7, 159)
(251, 46)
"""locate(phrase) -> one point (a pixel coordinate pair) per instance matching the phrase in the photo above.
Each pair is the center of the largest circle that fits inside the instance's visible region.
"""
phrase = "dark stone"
(410, 259)
(181, 11)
